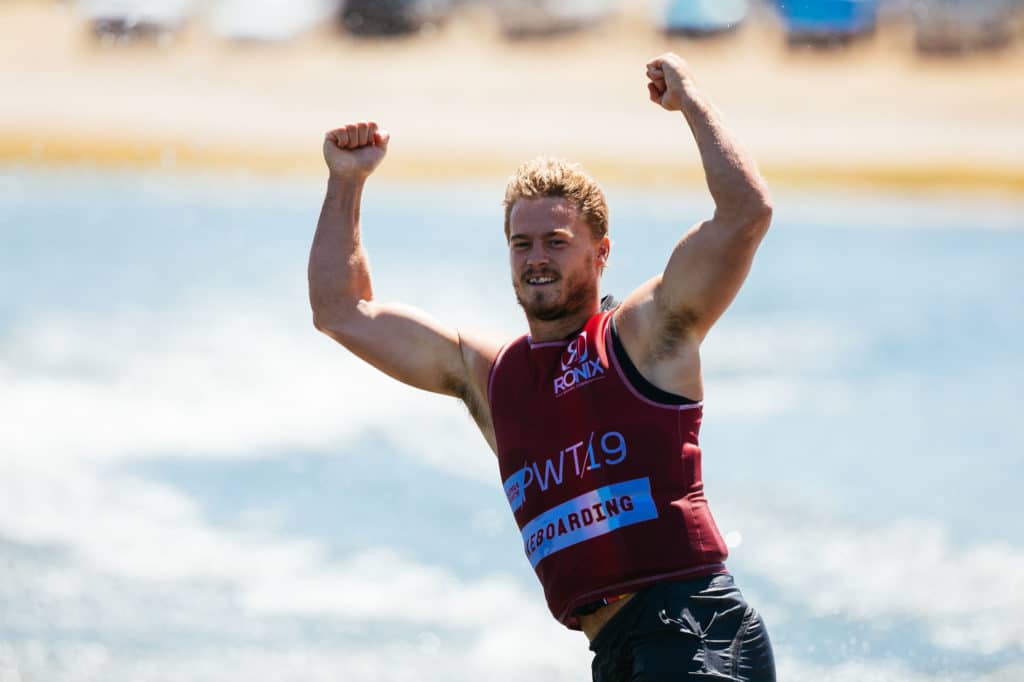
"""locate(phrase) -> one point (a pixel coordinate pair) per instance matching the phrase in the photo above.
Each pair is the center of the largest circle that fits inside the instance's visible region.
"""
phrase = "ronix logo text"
(577, 367)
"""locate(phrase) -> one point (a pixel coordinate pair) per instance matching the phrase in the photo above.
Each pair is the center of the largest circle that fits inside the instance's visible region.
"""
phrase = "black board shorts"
(698, 629)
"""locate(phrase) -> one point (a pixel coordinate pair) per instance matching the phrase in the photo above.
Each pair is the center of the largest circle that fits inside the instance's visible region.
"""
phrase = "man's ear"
(604, 249)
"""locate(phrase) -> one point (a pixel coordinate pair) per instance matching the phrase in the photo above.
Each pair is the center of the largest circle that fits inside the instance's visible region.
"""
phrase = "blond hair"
(547, 176)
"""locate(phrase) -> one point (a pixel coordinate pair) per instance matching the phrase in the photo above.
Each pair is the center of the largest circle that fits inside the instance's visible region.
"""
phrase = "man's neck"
(542, 331)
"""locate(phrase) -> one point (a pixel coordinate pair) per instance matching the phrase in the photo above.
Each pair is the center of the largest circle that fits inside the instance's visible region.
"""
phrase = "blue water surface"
(878, 333)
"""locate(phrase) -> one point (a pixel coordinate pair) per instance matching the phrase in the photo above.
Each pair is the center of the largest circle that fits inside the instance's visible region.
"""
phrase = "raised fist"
(355, 150)
(671, 82)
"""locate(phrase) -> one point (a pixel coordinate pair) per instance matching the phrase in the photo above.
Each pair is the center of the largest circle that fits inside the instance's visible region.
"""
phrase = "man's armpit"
(464, 392)
(672, 330)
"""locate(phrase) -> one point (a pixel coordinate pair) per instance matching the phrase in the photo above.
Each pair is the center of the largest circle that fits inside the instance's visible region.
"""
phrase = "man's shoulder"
(480, 350)
(662, 344)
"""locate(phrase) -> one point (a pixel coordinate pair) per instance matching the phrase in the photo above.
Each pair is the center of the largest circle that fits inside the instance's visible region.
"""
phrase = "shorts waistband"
(685, 587)
(598, 604)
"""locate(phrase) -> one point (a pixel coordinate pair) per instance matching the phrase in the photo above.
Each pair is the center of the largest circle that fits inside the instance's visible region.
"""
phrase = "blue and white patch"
(515, 488)
(588, 516)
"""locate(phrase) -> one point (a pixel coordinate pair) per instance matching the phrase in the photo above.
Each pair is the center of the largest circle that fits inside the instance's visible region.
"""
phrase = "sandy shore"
(462, 102)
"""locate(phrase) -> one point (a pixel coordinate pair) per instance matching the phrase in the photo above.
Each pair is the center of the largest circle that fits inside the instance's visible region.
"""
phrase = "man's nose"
(536, 255)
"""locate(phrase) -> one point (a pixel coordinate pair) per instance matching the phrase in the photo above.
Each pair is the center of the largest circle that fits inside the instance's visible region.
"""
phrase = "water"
(194, 484)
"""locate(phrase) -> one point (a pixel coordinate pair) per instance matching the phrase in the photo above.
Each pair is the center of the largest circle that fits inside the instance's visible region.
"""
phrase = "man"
(594, 414)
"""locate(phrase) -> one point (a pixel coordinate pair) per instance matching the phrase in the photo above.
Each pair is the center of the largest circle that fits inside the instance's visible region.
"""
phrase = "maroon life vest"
(604, 482)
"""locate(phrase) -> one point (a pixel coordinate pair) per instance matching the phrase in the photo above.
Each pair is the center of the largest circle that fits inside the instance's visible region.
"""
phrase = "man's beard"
(579, 291)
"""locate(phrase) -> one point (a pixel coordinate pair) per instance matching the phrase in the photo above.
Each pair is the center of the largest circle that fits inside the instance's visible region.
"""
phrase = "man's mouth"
(539, 279)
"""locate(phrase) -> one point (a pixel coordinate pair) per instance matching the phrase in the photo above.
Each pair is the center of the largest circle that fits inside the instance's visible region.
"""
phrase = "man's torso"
(604, 482)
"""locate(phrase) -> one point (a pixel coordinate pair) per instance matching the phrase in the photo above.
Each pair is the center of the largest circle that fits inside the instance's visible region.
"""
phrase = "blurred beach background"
(196, 485)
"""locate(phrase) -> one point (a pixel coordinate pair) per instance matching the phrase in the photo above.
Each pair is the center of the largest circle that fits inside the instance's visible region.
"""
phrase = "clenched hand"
(671, 82)
(354, 150)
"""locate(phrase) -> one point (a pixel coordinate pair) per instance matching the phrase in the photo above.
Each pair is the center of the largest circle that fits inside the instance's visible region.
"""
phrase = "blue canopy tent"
(704, 17)
(827, 21)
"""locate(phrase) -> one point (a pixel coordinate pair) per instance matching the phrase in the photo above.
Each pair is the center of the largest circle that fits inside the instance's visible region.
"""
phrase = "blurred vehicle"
(526, 18)
(136, 19)
(959, 26)
(696, 18)
(267, 20)
(393, 17)
(826, 23)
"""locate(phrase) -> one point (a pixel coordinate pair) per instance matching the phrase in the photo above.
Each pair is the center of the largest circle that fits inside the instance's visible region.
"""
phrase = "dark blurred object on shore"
(956, 27)
(703, 18)
(393, 17)
(827, 23)
(118, 21)
(521, 19)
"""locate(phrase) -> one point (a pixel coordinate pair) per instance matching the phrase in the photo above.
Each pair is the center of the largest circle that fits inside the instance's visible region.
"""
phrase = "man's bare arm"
(401, 341)
(710, 263)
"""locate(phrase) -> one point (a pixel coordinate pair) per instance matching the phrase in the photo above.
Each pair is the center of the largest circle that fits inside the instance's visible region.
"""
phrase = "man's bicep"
(406, 344)
(705, 272)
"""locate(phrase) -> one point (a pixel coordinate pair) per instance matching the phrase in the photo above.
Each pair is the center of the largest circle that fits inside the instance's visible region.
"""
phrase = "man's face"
(556, 264)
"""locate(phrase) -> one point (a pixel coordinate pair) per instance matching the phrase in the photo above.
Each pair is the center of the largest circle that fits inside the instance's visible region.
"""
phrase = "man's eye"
(557, 242)
(519, 246)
